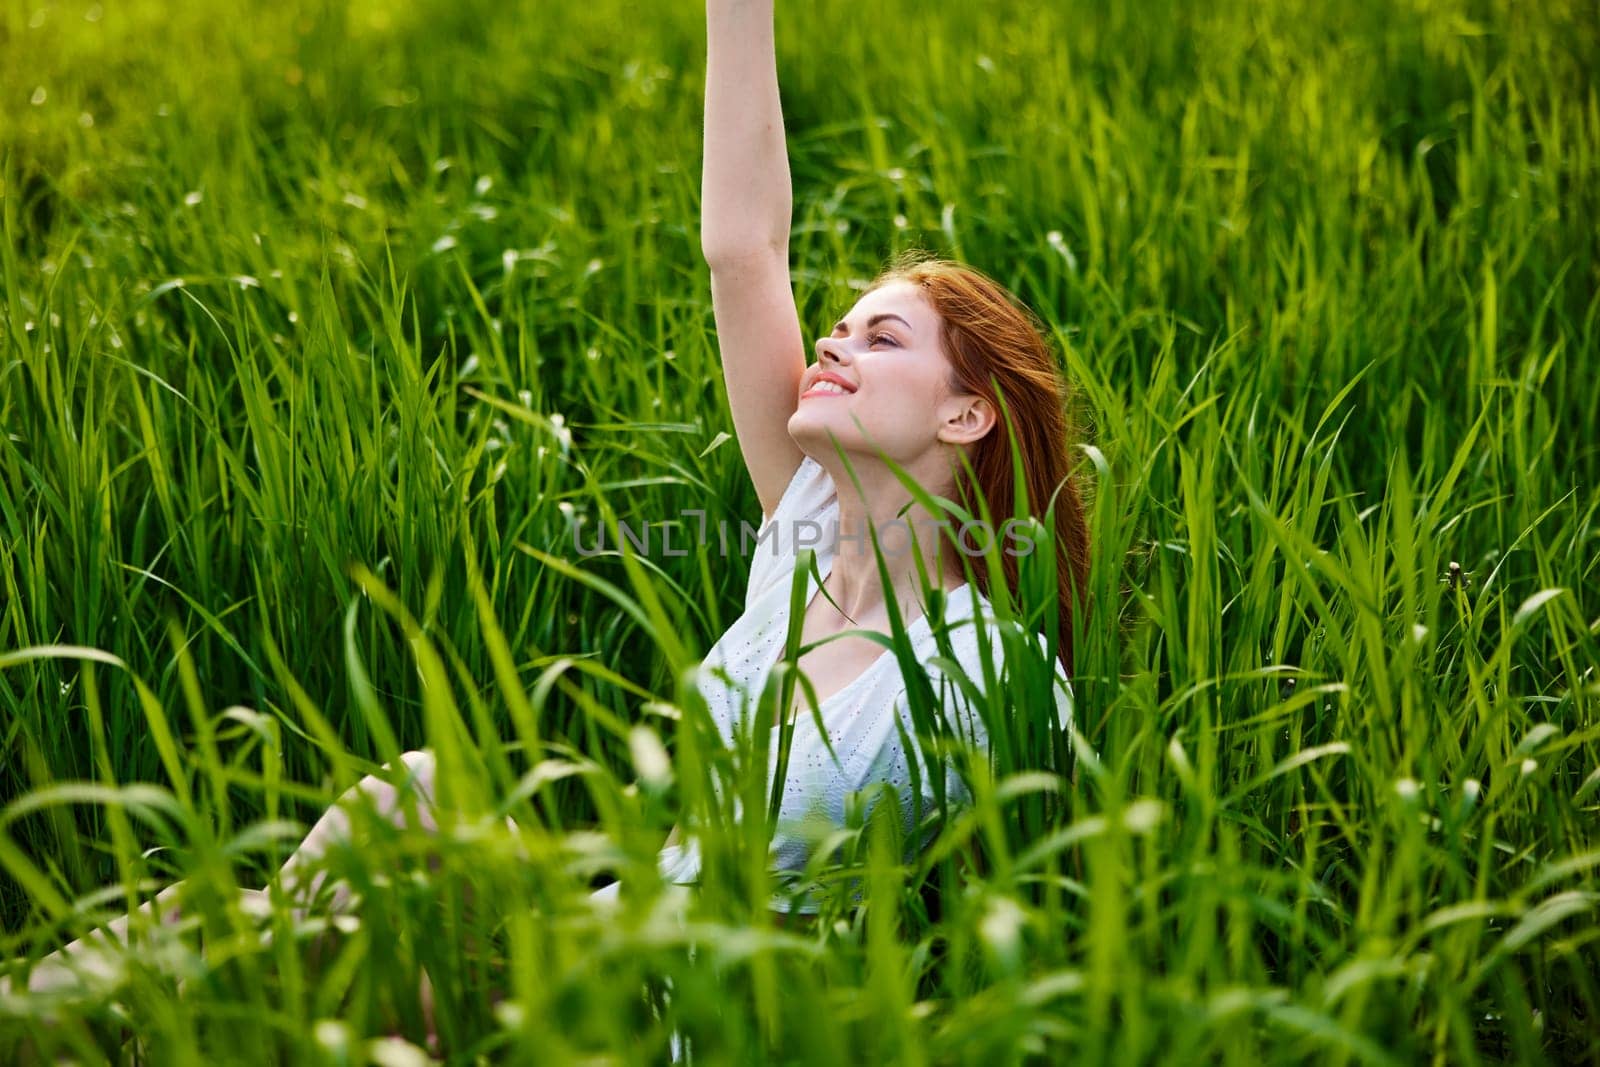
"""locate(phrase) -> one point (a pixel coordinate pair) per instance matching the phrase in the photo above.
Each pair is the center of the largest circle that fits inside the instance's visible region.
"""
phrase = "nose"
(830, 350)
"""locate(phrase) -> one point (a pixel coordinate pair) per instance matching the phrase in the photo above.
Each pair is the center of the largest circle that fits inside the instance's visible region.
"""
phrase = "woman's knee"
(387, 789)
(418, 760)
(375, 794)
(416, 770)
(420, 767)
(416, 767)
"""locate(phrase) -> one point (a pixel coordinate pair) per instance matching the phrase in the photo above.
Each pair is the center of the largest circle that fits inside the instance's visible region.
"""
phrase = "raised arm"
(745, 202)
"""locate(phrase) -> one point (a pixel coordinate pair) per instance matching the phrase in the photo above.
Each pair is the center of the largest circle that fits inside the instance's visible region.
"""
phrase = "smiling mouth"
(826, 388)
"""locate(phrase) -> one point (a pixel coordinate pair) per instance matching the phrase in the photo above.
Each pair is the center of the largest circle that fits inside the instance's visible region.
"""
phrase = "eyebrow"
(875, 320)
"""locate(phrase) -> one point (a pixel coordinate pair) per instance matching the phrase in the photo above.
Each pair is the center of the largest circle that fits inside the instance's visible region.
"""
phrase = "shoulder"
(809, 503)
(975, 657)
(810, 489)
(986, 652)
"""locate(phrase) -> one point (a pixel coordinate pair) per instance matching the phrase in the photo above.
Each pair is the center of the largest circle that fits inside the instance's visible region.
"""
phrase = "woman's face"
(881, 383)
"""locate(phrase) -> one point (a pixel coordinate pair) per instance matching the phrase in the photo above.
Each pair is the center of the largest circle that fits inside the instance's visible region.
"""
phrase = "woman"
(908, 376)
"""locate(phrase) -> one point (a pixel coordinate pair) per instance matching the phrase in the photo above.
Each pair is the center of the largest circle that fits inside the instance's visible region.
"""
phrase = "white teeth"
(828, 387)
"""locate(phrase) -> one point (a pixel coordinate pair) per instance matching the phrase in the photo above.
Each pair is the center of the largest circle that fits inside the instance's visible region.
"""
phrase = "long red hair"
(992, 339)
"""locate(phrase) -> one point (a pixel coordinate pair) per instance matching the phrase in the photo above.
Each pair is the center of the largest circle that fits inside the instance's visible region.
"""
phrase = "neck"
(884, 505)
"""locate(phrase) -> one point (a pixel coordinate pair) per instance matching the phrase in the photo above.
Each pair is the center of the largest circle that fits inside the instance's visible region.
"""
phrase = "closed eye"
(875, 338)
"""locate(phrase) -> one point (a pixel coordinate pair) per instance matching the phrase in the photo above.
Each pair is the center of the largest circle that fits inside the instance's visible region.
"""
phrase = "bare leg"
(413, 804)
(93, 955)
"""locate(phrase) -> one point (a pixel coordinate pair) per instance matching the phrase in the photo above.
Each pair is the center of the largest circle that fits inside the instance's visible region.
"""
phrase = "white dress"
(861, 718)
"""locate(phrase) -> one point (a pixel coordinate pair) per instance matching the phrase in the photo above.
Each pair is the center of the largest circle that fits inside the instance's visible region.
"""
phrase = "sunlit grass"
(323, 324)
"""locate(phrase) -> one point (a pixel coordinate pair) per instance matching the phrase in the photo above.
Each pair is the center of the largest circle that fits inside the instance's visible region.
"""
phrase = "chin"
(813, 437)
(811, 429)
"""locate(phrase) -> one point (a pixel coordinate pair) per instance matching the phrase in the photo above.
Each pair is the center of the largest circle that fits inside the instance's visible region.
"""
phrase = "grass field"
(323, 322)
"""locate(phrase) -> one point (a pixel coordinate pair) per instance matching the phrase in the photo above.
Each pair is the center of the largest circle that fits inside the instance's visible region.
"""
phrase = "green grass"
(319, 319)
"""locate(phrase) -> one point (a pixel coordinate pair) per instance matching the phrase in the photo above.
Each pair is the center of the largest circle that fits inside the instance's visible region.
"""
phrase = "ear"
(965, 419)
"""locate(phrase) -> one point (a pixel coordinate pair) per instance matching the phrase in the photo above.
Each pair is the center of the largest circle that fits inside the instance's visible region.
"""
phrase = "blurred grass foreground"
(326, 324)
